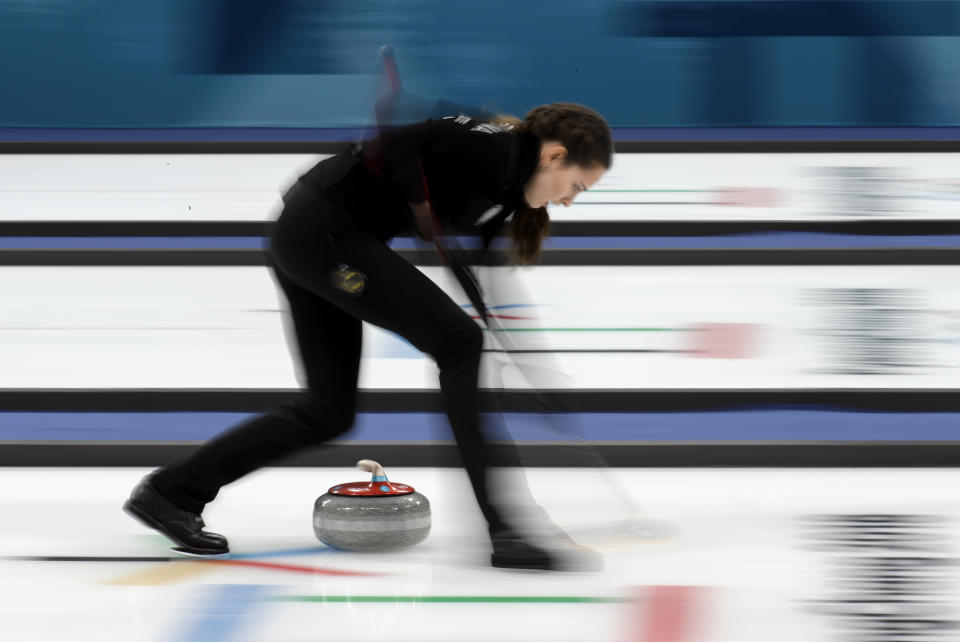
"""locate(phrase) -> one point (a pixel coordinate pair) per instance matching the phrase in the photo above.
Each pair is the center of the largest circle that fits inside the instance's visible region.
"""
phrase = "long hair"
(589, 143)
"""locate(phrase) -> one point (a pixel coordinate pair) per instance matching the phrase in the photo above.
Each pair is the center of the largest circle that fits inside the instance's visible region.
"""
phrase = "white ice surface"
(734, 535)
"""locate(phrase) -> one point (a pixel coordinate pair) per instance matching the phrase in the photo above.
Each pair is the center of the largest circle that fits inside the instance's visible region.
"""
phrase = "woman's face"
(554, 181)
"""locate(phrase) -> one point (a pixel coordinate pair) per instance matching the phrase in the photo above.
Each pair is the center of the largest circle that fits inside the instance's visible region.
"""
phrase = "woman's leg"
(400, 298)
(329, 342)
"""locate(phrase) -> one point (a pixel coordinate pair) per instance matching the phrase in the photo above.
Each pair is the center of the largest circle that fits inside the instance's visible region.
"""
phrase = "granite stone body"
(377, 523)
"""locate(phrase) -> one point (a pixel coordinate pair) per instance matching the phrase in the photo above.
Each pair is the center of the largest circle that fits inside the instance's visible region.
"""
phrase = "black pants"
(399, 298)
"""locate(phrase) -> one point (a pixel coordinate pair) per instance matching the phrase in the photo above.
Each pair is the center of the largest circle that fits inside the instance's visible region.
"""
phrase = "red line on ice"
(294, 568)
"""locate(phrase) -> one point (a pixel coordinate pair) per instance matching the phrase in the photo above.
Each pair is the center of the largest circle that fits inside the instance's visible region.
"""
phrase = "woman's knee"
(320, 421)
(461, 343)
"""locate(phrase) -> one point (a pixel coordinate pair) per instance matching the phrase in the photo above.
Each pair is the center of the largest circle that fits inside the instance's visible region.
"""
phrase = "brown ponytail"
(528, 229)
(589, 143)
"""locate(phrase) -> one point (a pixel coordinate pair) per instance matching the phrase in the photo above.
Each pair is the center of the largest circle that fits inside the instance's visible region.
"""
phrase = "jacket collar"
(527, 153)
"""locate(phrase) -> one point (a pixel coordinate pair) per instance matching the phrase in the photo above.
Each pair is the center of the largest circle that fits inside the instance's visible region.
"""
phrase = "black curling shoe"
(182, 527)
(510, 550)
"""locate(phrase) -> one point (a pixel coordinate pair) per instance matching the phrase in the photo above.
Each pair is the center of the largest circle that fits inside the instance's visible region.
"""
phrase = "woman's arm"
(425, 220)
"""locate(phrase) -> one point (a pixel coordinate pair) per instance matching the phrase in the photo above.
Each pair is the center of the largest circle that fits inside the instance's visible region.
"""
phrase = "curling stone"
(378, 515)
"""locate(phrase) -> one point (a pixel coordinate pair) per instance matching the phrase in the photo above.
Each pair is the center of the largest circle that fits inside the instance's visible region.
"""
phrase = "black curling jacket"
(472, 171)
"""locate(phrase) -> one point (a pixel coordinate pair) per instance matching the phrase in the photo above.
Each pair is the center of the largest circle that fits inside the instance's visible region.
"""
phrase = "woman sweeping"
(330, 257)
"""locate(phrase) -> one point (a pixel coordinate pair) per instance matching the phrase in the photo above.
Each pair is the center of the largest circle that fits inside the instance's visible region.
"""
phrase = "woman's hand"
(425, 221)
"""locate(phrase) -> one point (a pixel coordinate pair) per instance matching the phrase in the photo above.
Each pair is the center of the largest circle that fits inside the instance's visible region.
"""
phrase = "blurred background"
(305, 63)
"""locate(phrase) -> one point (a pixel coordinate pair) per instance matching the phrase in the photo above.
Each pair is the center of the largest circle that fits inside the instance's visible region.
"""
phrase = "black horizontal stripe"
(620, 147)
(635, 257)
(573, 400)
(803, 454)
(131, 258)
(77, 558)
(174, 147)
(668, 257)
(903, 227)
(136, 228)
(786, 146)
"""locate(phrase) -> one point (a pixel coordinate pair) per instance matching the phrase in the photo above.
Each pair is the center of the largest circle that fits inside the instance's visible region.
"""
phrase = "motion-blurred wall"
(300, 63)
